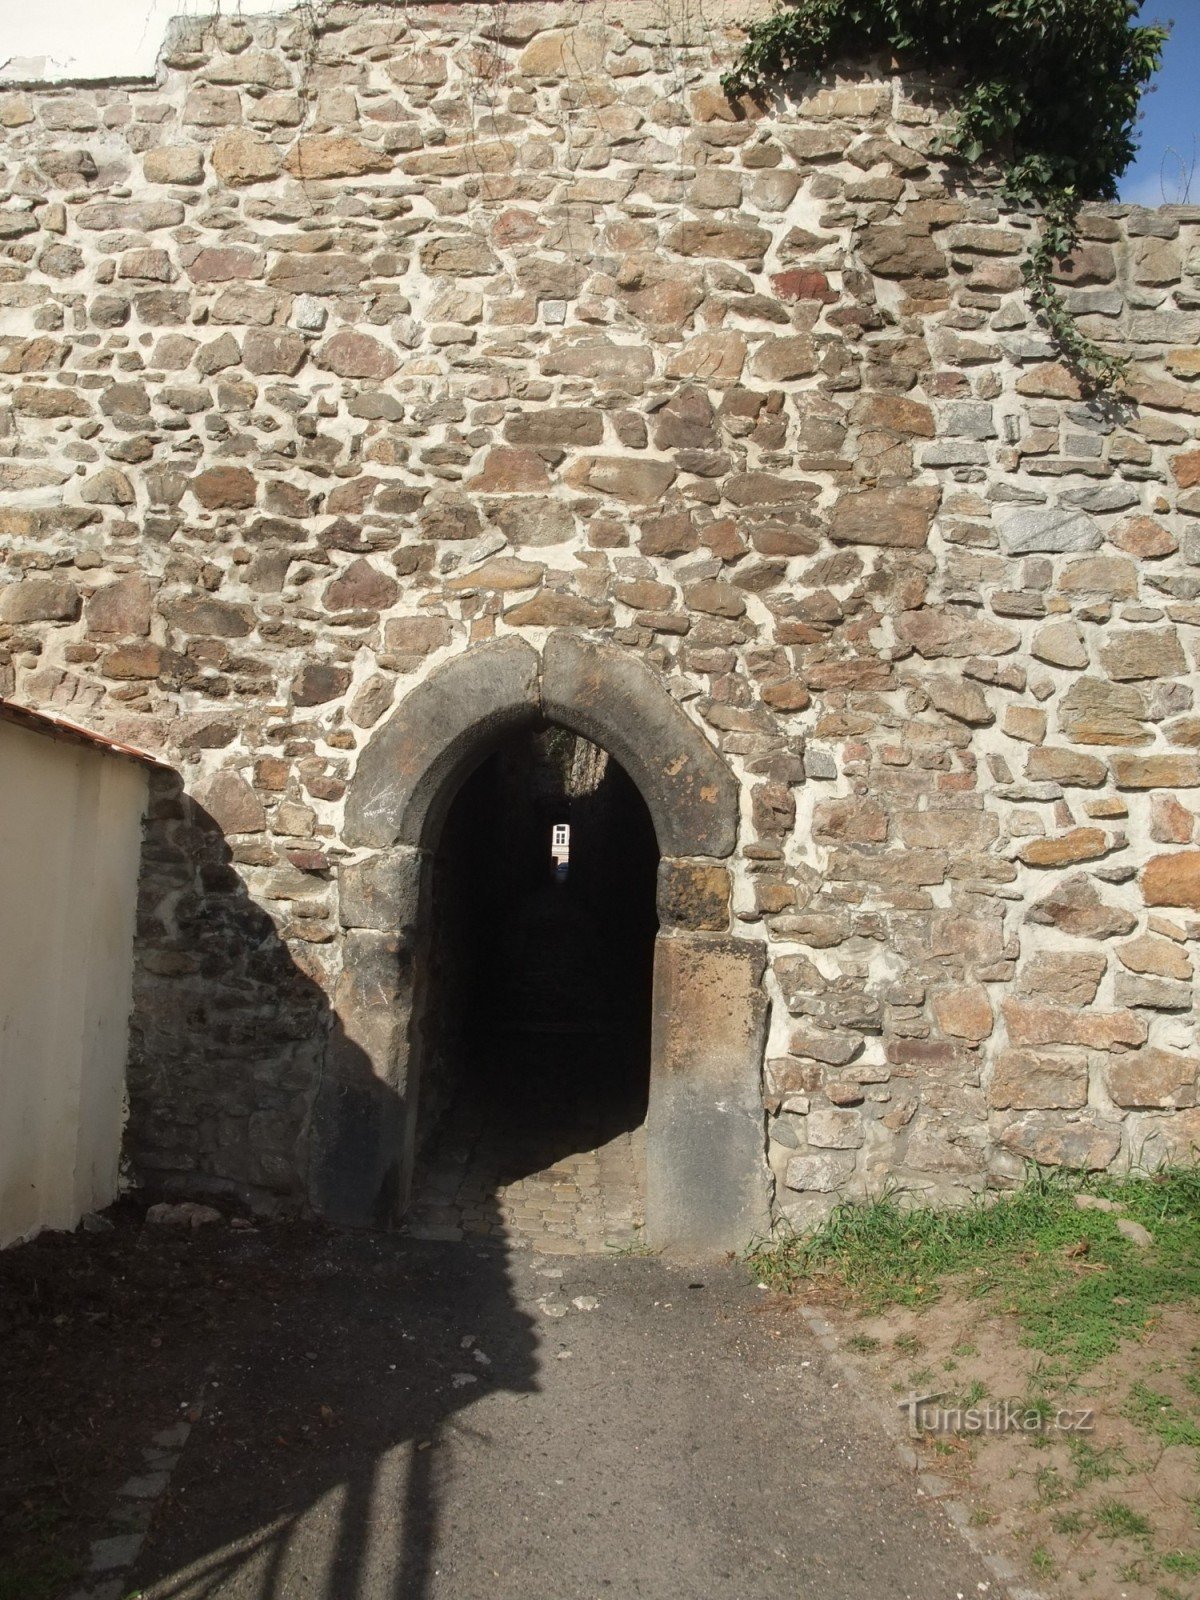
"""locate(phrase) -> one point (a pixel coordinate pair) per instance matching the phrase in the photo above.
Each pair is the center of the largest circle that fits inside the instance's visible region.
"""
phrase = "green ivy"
(1049, 89)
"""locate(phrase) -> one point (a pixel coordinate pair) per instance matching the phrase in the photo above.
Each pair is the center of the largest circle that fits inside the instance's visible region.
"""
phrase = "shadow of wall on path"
(362, 1354)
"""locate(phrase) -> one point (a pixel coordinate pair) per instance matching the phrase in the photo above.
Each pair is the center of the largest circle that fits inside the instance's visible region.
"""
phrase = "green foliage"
(1158, 1413)
(1050, 89)
(1021, 1252)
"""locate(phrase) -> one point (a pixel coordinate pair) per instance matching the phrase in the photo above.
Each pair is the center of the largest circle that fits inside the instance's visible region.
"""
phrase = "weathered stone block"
(693, 895)
(1173, 880)
(895, 517)
(1025, 530)
(964, 1012)
(1150, 1078)
(1143, 653)
(273, 350)
(1039, 1080)
(319, 682)
(356, 355)
(1035, 1024)
(39, 600)
(1083, 1143)
(232, 803)
(225, 488)
(120, 609)
(335, 155)
(240, 158)
(1070, 977)
(705, 1174)
(821, 1174)
(383, 891)
(1094, 711)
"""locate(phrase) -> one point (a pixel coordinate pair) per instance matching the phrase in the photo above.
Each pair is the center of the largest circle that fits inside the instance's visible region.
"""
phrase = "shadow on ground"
(318, 1463)
(405, 1420)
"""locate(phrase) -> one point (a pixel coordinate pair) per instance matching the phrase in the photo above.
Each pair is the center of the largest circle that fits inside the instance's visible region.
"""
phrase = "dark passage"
(535, 1030)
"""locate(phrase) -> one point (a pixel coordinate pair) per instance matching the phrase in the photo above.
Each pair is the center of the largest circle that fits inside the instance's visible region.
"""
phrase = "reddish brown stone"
(552, 610)
(224, 264)
(134, 661)
(273, 350)
(1144, 538)
(895, 413)
(1186, 469)
(1166, 771)
(1170, 822)
(1070, 977)
(1079, 844)
(416, 637)
(857, 821)
(232, 803)
(781, 359)
(1075, 906)
(1083, 1143)
(1173, 880)
(319, 682)
(330, 272)
(1037, 1080)
(1156, 958)
(361, 587)
(892, 251)
(937, 634)
(1036, 1024)
(501, 575)
(554, 425)
(240, 158)
(334, 155)
(723, 241)
(508, 471)
(896, 517)
(356, 355)
(120, 610)
(225, 488)
(1152, 1079)
(964, 1012)
(641, 482)
(800, 284)
(39, 600)
(1072, 768)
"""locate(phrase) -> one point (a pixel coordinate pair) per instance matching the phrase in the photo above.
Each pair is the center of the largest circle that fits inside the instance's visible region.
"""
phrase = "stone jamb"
(707, 1178)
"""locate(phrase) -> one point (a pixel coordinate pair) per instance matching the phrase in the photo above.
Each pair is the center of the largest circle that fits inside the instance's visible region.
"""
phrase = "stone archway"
(706, 1175)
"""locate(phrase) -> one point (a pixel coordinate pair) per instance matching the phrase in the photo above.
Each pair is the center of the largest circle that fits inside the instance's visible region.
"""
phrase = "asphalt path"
(453, 1421)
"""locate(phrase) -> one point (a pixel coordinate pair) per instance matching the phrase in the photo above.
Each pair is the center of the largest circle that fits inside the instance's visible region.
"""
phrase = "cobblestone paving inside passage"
(558, 1170)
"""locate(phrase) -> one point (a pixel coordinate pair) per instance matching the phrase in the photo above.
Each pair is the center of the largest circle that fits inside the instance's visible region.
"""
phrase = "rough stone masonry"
(365, 336)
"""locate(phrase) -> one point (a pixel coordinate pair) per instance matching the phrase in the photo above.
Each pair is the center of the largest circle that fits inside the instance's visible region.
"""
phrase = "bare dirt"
(1045, 1498)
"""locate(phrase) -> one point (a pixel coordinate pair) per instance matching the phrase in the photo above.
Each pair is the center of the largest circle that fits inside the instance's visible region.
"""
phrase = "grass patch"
(1076, 1284)
(1159, 1414)
(1181, 1564)
(1113, 1519)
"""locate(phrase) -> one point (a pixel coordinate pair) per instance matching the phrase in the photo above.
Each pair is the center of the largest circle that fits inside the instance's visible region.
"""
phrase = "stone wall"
(351, 343)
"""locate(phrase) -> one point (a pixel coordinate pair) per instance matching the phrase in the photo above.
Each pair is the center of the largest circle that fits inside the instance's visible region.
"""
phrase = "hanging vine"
(1048, 89)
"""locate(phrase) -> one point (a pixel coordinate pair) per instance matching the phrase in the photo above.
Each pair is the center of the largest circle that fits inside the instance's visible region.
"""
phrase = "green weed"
(1077, 1286)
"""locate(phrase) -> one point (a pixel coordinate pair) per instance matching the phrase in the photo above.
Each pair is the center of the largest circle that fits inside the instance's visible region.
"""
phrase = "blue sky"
(1169, 133)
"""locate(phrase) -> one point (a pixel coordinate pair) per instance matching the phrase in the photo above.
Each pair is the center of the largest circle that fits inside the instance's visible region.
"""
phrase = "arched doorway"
(706, 1173)
(533, 1027)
